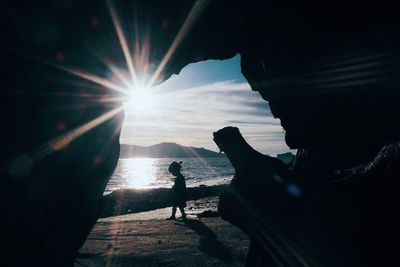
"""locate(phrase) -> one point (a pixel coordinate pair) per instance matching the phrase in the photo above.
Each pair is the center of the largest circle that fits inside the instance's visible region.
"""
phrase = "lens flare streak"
(64, 140)
(192, 17)
(98, 80)
(122, 40)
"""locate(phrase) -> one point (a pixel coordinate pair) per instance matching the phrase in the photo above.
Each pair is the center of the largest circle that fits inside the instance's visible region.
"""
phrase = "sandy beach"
(147, 239)
(134, 232)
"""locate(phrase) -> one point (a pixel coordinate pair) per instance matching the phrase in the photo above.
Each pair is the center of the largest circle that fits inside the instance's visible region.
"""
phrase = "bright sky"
(203, 98)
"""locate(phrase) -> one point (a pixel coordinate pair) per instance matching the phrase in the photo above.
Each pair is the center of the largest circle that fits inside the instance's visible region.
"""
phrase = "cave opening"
(183, 112)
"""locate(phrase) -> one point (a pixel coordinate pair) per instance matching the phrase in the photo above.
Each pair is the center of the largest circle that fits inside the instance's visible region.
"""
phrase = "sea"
(147, 173)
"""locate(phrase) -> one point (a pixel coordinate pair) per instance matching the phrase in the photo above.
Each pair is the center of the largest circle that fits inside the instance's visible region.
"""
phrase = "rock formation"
(306, 217)
(329, 69)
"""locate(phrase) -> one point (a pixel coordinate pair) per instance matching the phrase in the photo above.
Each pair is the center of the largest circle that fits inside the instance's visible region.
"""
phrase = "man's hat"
(174, 166)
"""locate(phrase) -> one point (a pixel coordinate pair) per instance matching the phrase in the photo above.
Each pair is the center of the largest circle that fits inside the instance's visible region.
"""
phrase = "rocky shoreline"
(126, 201)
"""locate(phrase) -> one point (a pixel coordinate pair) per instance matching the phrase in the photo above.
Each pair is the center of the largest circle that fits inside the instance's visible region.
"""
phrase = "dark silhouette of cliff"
(329, 70)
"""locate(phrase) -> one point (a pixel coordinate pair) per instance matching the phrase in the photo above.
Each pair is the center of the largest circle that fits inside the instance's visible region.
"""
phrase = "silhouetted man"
(179, 190)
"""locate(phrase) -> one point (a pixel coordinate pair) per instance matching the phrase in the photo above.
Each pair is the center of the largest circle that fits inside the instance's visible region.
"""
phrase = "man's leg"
(182, 209)
(173, 213)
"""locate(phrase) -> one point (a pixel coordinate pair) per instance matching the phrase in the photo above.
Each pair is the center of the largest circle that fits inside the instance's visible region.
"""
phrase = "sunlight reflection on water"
(141, 172)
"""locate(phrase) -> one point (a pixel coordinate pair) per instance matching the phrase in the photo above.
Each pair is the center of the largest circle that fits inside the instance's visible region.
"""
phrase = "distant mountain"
(166, 150)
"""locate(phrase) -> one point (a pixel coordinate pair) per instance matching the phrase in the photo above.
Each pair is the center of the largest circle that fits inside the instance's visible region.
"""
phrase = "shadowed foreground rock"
(295, 218)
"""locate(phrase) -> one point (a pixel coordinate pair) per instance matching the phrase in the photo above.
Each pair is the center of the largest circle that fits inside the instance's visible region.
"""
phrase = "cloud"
(189, 116)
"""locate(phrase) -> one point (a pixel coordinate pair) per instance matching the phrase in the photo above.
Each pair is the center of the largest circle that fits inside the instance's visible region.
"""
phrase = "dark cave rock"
(330, 71)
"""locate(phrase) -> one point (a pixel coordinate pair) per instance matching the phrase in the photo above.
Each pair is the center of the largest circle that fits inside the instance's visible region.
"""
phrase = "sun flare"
(139, 99)
(134, 89)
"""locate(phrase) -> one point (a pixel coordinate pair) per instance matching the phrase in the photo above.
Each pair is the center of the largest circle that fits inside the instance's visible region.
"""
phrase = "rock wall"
(60, 135)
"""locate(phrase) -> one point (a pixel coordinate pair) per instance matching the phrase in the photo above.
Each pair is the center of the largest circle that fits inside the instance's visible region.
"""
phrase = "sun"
(139, 99)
